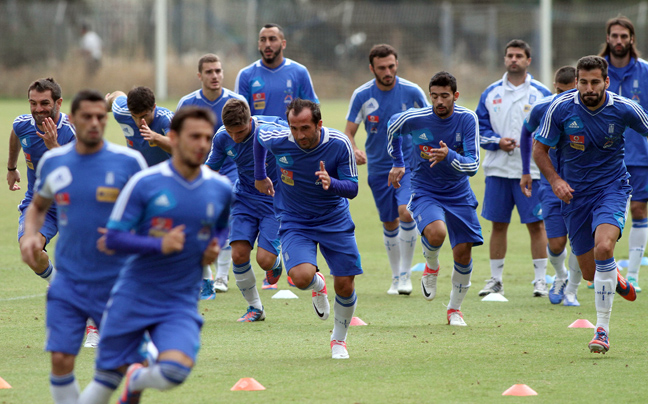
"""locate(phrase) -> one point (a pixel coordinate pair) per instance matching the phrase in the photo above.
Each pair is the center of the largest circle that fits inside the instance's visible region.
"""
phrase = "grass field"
(406, 353)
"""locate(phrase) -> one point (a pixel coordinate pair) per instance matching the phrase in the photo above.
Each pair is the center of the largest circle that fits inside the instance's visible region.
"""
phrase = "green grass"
(406, 353)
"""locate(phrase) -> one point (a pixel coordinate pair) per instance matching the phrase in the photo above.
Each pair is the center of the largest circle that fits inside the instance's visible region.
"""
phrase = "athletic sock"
(637, 245)
(343, 310)
(163, 375)
(460, 284)
(604, 286)
(407, 240)
(558, 263)
(246, 282)
(207, 272)
(540, 268)
(49, 273)
(99, 390)
(431, 253)
(575, 274)
(497, 269)
(392, 245)
(316, 284)
(64, 389)
(223, 262)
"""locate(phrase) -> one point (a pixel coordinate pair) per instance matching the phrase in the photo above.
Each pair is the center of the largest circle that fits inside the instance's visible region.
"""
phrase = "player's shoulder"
(408, 84)
(493, 87)
(642, 64)
(623, 102)
(164, 113)
(295, 65)
(56, 154)
(189, 99)
(219, 179)
(227, 94)
(364, 90)
(465, 113)
(272, 131)
(337, 136)
(22, 123)
(66, 126)
(249, 69)
(120, 105)
(538, 86)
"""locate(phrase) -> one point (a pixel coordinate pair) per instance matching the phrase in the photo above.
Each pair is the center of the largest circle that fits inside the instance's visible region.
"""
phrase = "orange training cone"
(581, 323)
(247, 384)
(357, 321)
(4, 384)
(520, 390)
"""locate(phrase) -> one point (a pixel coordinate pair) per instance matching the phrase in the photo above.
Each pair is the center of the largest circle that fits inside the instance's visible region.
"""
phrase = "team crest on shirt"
(287, 177)
(532, 99)
(611, 139)
(29, 161)
(635, 92)
(160, 226)
(204, 233)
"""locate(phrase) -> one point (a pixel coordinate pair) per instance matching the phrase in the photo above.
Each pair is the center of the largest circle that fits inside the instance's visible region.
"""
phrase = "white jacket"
(501, 111)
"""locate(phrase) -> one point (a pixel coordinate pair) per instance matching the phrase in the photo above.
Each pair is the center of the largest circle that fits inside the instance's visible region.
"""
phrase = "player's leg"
(637, 240)
(223, 264)
(207, 291)
(556, 241)
(44, 267)
(407, 235)
(345, 304)
(269, 249)
(246, 281)
(434, 235)
(575, 276)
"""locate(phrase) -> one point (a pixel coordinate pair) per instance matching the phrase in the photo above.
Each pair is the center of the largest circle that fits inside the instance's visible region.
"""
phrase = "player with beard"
(272, 82)
(587, 127)
(374, 103)
(629, 78)
(447, 136)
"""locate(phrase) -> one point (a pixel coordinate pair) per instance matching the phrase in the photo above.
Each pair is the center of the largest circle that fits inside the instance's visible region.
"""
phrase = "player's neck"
(275, 63)
(517, 79)
(619, 62)
(383, 87)
(212, 95)
(83, 148)
(187, 172)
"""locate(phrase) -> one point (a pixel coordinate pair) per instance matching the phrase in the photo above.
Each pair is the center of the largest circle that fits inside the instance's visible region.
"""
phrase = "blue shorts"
(388, 199)
(246, 224)
(501, 194)
(172, 327)
(460, 217)
(587, 211)
(639, 182)
(553, 218)
(339, 249)
(69, 305)
(49, 229)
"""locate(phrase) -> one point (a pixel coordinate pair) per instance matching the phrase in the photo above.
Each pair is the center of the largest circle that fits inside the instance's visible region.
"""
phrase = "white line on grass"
(22, 297)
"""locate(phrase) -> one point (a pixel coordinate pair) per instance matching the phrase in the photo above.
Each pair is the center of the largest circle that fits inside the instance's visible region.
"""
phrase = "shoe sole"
(598, 348)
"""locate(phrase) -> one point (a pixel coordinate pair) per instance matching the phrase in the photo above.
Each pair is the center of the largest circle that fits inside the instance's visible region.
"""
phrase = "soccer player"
(501, 111)
(44, 129)
(445, 137)
(253, 213)
(374, 103)
(628, 77)
(318, 176)
(144, 124)
(587, 128)
(84, 179)
(272, 82)
(213, 95)
(152, 221)
(562, 290)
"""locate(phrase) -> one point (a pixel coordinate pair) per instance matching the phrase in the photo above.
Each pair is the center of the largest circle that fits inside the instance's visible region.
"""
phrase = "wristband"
(12, 169)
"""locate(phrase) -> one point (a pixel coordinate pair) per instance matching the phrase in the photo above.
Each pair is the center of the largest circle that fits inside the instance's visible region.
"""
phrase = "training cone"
(285, 294)
(247, 384)
(494, 297)
(581, 323)
(520, 390)
(4, 384)
(357, 321)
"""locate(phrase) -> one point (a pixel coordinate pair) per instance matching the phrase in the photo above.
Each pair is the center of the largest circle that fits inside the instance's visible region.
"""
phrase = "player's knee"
(174, 374)
(266, 261)
(62, 363)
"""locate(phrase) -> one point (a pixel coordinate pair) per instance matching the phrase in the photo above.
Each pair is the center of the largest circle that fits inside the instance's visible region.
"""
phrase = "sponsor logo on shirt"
(162, 200)
(577, 142)
(62, 198)
(527, 108)
(258, 96)
(497, 99)
(25, 142)
(160, 226)
(257, 83)
(130, 143)
(259, 105)
(425, 150)
(107, 194)
(287, 177)
(373, 118)
(285, 160)
(29, 161)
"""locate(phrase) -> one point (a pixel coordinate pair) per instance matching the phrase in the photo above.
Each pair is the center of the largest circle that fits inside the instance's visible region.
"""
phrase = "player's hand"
(395, 175)
(360, 156)
(101, 242)
(323, 176)
(51, 134)
(174, 240)
(439, 154)
(507, 144)
(12, 178)
(526, 183)
(30, 248)
(211, 252)
(265, 186)
(562, 190)
(147, 133)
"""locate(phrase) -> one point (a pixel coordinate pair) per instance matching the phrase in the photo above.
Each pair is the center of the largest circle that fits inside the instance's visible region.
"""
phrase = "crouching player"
(447, 136)
(179, 211)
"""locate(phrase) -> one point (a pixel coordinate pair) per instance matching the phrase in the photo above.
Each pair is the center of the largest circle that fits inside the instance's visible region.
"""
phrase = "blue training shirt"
(269, 91)
(155, 201)
(374, 107)
(85, 188)
(161, 123)
(460, 133)
(590, 144)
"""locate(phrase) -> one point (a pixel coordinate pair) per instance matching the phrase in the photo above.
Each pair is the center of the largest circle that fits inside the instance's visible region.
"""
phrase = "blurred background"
(330, 37)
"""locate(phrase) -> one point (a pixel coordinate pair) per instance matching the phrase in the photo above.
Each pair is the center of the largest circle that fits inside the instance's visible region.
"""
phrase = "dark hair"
(625, 22)
(185, 113)
(297, 105)
(235, 112)
(588, 63)
(140, 99)
(85, 95)
(381, 51)
(48, 84)
(277, 26)
(208, 58)
(444, 79)
(518, 43)
(565, 75)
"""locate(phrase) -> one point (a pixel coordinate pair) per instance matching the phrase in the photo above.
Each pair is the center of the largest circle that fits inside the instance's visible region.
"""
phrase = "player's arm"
(346, 188)
(31, 243)
(468, 162)
(217, 155)
(13, 175)
(163, 142)
(490, 140)
(395, 149)
(110, 98)
(350, 130)
(526, 141)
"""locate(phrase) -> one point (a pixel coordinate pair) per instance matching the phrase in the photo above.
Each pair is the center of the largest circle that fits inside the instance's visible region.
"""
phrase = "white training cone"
(494, 297)
(285, 294)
